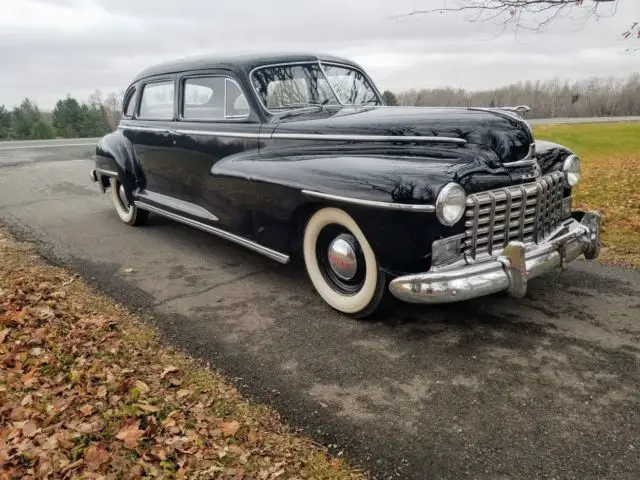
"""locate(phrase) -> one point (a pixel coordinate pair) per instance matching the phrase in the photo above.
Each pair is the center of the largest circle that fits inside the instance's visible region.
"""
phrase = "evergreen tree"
(23, 119)
(5, 123)
(389, 98)
(68, 118)
(42, 129)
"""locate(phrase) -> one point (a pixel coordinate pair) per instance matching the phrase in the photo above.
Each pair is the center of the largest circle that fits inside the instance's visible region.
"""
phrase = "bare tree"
(595, 97)
(113, 108)
(529, 14)
(633, 32)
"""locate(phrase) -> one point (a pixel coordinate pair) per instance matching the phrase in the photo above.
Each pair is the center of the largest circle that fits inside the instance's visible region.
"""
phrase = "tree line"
(69, 119)
(596, 97)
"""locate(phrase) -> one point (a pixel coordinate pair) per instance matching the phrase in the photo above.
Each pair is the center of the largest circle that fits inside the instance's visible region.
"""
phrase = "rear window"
(157, 100)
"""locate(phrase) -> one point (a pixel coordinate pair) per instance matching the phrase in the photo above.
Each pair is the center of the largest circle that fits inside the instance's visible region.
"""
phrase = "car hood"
(508, 135)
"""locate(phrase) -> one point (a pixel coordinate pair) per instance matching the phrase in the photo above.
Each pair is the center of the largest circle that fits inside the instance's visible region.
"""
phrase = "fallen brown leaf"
(141, 387)
(183, 393)
(168, 370)
(29, 428)
(130, 435)
(3, 334)
(86, 410)
(229, 429)
(148, 408)
(95, 456)
(159, 452)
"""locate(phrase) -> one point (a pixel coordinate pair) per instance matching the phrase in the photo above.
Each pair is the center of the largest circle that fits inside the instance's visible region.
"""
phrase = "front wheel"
(128, 212)
(341, 264)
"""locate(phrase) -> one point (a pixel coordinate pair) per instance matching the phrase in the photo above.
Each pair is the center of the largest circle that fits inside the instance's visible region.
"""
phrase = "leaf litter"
(88, 391)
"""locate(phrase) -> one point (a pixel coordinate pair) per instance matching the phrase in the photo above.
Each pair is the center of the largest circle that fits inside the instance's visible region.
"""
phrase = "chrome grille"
(527, 213)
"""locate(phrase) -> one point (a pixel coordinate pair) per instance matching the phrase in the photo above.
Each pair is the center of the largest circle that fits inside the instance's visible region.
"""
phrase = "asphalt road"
(542, 387)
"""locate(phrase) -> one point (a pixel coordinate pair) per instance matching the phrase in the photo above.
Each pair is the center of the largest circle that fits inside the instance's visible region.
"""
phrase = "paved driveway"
(541, 387)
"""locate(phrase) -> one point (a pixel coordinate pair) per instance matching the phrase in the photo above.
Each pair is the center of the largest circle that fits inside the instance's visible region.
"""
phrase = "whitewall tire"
(341, 264)
(128, 212)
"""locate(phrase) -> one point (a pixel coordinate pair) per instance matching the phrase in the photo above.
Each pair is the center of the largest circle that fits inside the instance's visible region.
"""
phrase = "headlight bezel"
(441, 202)
(571, 168)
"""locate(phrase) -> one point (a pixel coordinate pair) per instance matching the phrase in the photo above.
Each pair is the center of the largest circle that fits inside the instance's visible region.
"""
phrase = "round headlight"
(450, 204)
(571, 169)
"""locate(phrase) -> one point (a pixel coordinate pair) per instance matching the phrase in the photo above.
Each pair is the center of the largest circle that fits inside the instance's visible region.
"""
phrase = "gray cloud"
(53, 47)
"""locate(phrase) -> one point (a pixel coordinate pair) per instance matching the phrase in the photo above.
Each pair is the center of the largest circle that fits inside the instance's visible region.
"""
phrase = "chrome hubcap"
(342, 257)
(123, 197)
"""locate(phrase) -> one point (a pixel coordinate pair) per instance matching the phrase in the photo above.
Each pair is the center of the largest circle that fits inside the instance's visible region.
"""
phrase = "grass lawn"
(610, 183)
(87, 391)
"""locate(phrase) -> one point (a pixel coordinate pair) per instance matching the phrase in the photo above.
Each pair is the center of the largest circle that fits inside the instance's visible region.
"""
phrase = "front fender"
(115, 153)
(401, 240)
(551, 155)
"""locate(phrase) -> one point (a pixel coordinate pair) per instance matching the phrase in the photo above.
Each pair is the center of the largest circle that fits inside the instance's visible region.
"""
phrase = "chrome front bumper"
(507, 272)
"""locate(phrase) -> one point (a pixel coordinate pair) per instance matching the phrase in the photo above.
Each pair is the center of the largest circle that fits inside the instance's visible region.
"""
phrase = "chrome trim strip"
(274, 255)
(176, 204)
(371, 203)
(108, 173)
(213, 133)
(365, 138)
(303, 136)
(144, 129)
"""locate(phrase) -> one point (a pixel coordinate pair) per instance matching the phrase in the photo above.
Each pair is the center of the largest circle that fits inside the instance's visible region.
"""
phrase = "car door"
(152, 136)
(215, 124)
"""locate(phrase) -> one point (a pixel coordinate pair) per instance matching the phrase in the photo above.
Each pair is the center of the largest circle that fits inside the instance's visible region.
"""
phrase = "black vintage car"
(296, 156)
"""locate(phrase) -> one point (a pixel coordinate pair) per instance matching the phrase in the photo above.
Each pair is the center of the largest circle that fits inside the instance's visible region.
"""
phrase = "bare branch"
(527, 14)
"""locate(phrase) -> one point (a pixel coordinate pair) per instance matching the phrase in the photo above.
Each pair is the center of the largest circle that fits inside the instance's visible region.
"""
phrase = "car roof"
(243, 63)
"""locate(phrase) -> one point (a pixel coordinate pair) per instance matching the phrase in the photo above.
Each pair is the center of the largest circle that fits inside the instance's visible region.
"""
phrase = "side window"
(157, 100)
(237, 105)
(130, 104)
(213, 98)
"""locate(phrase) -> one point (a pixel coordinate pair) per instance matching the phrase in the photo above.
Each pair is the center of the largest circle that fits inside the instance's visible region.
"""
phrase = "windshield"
(295, 86)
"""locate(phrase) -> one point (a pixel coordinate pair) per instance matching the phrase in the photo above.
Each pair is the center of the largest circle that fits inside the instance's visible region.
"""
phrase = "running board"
(256, 247)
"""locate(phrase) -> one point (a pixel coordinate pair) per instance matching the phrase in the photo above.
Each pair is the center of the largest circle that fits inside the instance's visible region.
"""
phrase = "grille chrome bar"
(508, 216)
(492, 222)
(526, 213)
(474, 233)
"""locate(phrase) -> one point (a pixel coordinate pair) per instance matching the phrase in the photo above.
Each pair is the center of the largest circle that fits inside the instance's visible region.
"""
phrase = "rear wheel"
(128, 212)
(341, 264)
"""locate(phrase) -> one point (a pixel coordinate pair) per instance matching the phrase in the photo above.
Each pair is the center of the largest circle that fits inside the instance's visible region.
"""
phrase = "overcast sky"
(50, 48)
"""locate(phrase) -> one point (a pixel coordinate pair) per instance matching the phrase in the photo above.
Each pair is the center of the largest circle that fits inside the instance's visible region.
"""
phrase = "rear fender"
(115, 156)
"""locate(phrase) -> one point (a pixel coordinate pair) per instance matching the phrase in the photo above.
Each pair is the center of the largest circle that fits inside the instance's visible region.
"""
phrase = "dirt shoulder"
(87, 390)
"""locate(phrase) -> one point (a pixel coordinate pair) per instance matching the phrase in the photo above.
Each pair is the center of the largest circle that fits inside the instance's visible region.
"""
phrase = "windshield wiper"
(295, 108)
